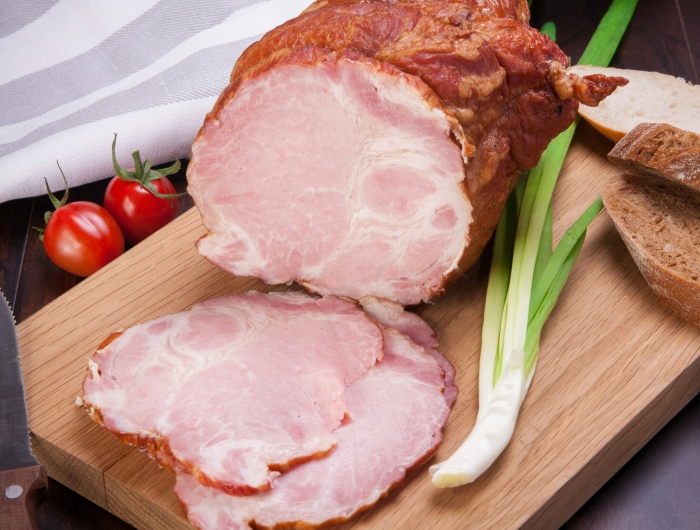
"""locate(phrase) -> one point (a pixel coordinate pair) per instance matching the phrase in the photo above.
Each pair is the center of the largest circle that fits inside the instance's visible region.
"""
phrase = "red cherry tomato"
(137, 211)
(82, 237)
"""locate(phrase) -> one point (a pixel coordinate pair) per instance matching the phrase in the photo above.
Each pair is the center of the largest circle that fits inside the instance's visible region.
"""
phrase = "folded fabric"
(74, 72)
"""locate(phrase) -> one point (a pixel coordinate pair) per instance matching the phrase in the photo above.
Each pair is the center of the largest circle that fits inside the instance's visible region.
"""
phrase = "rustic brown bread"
(659, 222)
(660, 150)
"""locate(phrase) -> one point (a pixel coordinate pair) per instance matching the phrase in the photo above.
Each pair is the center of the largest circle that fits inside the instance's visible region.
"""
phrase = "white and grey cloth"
(73, 72)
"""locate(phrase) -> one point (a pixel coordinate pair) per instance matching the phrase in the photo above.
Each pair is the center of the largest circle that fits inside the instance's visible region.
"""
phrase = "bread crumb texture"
(649, 97)
(659, 222)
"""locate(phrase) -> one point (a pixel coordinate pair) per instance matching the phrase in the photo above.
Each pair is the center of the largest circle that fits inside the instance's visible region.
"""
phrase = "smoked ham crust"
(454, 11)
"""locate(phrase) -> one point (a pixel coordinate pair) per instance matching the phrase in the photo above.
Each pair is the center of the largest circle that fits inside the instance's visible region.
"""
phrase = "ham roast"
(237, 389)
(398, 409)
(366, 148)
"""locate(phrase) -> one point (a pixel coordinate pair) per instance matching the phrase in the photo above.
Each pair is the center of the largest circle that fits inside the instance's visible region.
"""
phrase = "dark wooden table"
(658, 489)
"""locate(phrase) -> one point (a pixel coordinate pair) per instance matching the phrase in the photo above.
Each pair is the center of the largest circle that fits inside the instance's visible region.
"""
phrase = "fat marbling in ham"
(398, 409)
(239, 388)
(335, 170)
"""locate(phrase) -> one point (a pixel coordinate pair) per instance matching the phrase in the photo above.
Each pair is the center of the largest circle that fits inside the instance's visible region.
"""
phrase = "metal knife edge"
(19, 360)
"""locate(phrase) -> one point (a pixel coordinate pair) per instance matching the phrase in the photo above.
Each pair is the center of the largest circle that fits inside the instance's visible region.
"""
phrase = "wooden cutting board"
(615, 365)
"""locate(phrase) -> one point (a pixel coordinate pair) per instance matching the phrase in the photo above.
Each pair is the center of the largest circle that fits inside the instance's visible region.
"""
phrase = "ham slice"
(334, 170)
(398, 409)
(237, 389)
(392, 315)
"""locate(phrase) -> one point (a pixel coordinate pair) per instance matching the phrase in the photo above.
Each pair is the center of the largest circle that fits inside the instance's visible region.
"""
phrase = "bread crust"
(639, 207)
(660, 150)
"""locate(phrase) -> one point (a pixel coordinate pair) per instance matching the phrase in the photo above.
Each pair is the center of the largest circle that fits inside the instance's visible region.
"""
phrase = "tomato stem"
(41, 232)
(143, 172)
(54, 200)
(57, 203)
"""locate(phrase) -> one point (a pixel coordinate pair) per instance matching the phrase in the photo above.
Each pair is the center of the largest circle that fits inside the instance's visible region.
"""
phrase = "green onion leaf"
(544, 251)
(607, 36)
(549, 29)
(537, 323)
(564, 248)
(496, 296)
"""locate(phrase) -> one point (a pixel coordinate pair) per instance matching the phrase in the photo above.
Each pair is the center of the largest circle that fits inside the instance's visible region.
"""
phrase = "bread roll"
(649, 97)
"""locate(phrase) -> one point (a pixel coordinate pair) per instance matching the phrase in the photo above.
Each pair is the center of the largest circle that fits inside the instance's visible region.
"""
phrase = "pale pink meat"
(238, 388)
(336, 171)
(392, 315)
(398, 409)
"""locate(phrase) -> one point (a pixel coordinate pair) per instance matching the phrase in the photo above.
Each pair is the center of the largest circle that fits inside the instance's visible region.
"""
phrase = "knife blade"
(22, 478)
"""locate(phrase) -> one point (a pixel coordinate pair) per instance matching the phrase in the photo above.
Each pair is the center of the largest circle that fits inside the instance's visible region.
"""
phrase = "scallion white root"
(494, 427)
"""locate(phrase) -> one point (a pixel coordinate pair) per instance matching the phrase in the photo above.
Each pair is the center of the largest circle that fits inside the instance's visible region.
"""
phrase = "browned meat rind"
(455, 11)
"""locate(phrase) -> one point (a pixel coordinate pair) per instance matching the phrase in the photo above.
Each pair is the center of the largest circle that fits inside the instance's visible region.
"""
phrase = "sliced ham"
(398, 409)
(334, 170)
(237, 389)
(392, 315)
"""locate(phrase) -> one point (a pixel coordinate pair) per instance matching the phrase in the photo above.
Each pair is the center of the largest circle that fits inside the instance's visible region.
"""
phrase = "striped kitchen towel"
(73, 72)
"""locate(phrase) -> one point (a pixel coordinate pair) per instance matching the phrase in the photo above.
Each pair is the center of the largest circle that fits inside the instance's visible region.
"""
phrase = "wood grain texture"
(142, 494)
(658, 488)
(615, 365)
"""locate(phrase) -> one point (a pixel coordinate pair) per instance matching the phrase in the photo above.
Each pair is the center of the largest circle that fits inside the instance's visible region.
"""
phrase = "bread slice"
(649, 97)
(660, 150)
(659, 221)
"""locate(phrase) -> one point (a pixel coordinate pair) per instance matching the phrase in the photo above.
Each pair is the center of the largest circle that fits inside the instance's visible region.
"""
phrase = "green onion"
(549, 29)
(496, 295)
(607, 36)
(522, 293)
(544, 283)
(544, 251)
(537, 323)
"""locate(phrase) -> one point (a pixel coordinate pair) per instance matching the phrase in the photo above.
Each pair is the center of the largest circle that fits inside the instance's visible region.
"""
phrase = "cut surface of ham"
(334, 170)
(239, 388)
(398, 409)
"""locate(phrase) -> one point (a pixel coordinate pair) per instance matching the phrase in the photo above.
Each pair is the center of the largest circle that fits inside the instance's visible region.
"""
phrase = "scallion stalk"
(603, 45)
(549, 29)
(526, 289)
(496, 296)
